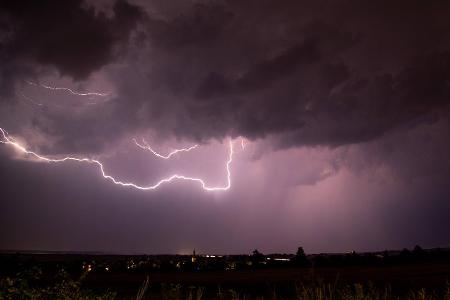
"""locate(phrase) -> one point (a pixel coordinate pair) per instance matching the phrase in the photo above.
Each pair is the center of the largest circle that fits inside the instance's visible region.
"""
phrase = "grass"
(26, 286)
(361, 292)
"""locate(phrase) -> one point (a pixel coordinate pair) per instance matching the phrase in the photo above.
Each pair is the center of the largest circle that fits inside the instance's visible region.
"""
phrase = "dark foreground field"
(406, 280)
(401, 279)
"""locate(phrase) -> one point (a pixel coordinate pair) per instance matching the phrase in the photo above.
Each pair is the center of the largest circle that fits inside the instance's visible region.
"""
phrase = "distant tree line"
(77, 264)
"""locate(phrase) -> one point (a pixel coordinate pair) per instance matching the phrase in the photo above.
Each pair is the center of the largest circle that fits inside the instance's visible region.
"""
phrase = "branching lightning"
(146, 146)
(68, 90)
(30, 99)
(6, 139)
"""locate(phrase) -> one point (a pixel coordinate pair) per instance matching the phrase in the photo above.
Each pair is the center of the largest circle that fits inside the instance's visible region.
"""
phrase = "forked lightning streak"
(6, 139)
(68, 90)
(146, 146)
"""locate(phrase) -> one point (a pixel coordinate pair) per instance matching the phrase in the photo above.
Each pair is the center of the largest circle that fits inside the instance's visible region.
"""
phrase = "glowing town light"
(146, 146)
(68, 90)
(6, 139)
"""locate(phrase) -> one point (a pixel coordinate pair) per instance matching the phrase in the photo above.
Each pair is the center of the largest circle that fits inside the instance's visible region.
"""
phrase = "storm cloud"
(322, 74)
(331, 96)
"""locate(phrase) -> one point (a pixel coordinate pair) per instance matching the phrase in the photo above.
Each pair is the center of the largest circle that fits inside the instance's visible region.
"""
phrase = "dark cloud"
(201, 24)
(262, 74)
(307, 74)
(68, 35)
(75, 39)
(365, 110)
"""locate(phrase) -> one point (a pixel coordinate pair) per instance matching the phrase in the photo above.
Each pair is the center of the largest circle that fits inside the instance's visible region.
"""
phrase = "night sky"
(337, 111)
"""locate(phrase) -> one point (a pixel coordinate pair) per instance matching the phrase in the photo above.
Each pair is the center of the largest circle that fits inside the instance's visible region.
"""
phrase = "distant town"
(196, 262)
(369, 275)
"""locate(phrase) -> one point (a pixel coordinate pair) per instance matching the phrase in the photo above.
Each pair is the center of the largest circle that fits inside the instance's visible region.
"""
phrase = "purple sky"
(343, 107)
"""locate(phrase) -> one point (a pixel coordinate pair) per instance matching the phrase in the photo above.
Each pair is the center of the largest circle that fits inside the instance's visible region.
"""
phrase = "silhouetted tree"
(418, 252)
(405, 255)
(386, 257)
(300, 253)
(257, 257)
(300, 258)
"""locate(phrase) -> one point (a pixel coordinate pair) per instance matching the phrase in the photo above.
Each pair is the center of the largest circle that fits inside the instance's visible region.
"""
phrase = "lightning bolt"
(30, 99)
(6, 139)
(68, 90)
(147, 147)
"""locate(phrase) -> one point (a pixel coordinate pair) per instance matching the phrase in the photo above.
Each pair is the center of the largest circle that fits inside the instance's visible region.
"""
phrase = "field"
(401, 279)
(51, 276)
